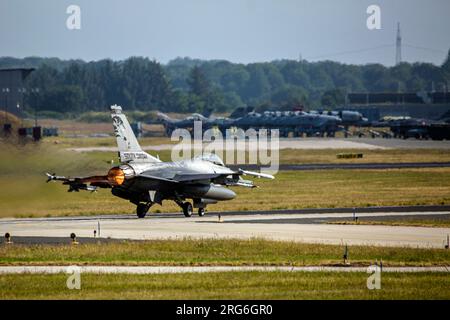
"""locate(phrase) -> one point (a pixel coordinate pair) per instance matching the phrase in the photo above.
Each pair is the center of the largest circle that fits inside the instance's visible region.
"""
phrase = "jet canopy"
(211, 157)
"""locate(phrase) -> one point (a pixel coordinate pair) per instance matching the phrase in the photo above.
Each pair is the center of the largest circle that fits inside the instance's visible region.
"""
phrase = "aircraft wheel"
(187, 209)
(142, 209)
(201, 212)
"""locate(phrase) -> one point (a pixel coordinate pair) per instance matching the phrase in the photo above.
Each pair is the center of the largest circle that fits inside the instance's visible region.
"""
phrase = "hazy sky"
(235, 30)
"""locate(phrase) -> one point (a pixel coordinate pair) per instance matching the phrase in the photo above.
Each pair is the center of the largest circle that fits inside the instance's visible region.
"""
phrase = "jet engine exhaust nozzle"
(116, 176)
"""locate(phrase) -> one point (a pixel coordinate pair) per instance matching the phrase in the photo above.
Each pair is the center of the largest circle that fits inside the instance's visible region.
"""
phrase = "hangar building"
(12, 88)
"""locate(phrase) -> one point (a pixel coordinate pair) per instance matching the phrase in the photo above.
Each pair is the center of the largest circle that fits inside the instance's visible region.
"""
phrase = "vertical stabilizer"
(129, 148)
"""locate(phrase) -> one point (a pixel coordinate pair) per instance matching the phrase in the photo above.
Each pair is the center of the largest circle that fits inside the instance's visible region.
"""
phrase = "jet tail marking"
(129, 148)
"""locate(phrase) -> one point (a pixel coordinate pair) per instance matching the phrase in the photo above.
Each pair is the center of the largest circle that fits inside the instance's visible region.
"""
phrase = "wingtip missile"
(50, 177)
(256, 174)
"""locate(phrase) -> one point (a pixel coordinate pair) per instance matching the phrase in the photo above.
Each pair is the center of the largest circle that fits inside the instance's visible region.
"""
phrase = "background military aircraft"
(144, 180)
(407, 127)
(298, 123)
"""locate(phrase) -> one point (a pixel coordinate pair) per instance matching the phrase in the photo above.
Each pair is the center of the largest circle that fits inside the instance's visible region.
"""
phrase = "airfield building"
(12, 88)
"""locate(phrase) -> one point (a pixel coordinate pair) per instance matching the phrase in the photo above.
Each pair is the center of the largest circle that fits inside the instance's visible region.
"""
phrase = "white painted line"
(202, 269)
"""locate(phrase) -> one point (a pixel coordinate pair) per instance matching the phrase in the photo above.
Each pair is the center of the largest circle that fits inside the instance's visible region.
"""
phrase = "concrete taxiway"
(349, 166)
(310, 143)
(301, 227)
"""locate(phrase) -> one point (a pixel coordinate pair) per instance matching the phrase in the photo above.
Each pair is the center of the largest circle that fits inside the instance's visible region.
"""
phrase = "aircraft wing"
(198, 176)
(81, 183)
(232, 178)
(183, 177)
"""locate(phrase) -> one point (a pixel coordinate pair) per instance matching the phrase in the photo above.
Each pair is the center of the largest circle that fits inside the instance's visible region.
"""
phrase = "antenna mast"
(398, 46)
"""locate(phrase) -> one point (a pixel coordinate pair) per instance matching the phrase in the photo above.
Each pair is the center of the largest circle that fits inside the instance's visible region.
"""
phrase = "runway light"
(220, 218)
(73, 236)
(8, 238)
(345, 256)
(448, 243)
(95, 233)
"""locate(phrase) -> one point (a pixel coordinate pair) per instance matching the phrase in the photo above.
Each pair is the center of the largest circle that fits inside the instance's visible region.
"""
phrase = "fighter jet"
(208, 122)
(144, 180)
(187, 123)
(298, 122)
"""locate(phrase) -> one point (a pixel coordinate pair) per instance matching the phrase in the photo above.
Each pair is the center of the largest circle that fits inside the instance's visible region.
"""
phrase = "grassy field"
(30, 196)
(189, 252)
(287, 156)
(228, 285)
(328, 156)
(291, 156)
(27, 195)
(72, 142)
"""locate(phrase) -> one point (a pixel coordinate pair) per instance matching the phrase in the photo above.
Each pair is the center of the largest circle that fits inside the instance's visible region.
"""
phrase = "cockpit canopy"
(211, 157)
(196, 117)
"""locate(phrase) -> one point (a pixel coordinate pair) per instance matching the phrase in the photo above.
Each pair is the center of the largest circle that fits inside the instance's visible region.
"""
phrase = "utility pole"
(35, 92)
(21, 91)
(5, 93)
(398, 46)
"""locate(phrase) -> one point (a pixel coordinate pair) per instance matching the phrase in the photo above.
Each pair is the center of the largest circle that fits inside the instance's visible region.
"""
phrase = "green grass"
(31, 196)
(216, 252)
(27, 194)
(228, 285)
(293, 156)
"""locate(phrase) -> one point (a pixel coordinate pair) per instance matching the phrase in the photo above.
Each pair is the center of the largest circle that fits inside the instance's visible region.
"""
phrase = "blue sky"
(236, 30)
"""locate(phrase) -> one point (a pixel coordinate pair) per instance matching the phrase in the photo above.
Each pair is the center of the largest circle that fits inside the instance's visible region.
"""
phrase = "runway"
(182, 269)
(312, 143)
(350, 166)
(300, 227)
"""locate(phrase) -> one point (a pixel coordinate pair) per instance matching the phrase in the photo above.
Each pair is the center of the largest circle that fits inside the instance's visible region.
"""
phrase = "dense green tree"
(446, 65)
(198, 83)
(289, 96)
(188, 85)
(333, 98)
(258, 85)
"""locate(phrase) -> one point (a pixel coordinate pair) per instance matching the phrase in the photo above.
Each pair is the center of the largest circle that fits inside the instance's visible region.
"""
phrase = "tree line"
(192, 85)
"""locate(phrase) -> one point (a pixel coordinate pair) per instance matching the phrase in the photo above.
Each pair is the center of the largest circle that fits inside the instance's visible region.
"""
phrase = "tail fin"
(163, 117)
(129, 148)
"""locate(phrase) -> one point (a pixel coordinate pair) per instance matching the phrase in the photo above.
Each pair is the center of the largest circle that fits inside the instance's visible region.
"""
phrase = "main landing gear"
(188, 209)
(142, 209)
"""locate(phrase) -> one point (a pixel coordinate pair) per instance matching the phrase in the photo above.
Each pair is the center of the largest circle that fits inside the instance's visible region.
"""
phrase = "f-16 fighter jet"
(144, 180)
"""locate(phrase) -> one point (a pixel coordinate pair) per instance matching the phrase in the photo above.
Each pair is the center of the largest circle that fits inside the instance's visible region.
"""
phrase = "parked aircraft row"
(295, 123)
(312, 124)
